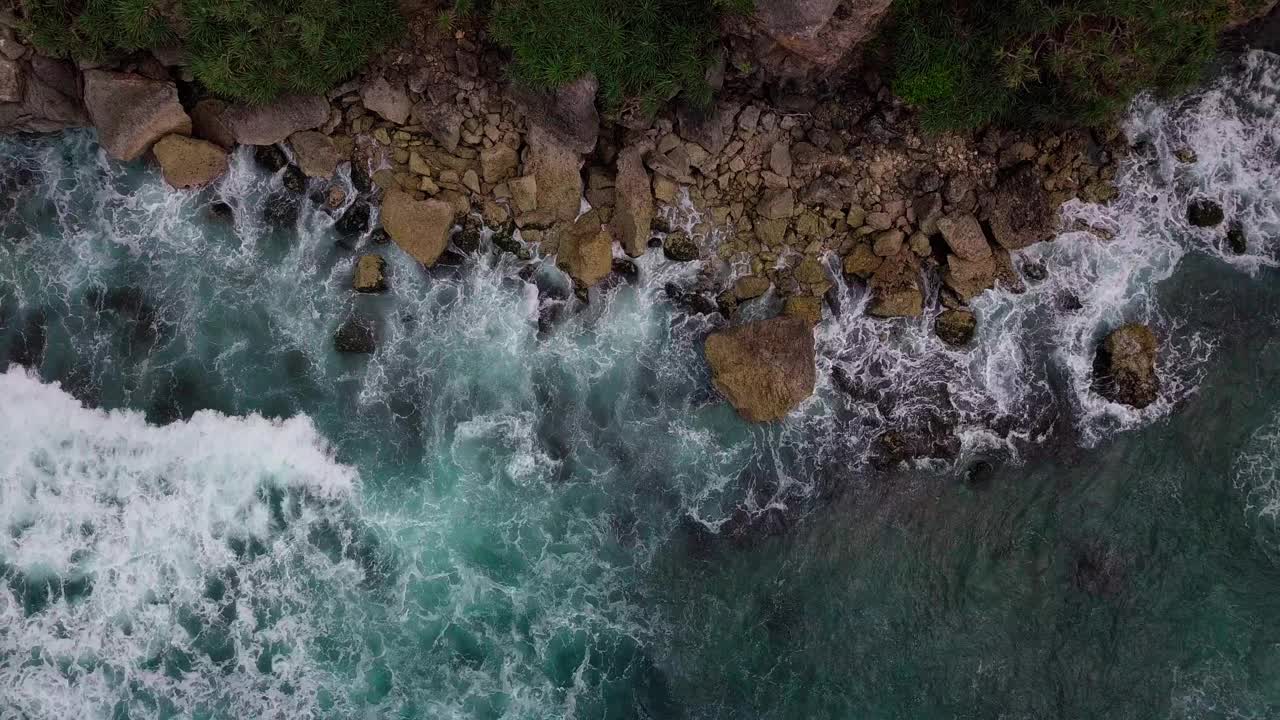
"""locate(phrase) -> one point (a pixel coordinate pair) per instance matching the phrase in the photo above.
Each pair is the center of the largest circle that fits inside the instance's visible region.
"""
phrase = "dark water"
(523, 507)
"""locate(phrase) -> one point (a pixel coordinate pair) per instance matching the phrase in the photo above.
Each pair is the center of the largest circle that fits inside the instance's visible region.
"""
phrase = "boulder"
(750, 286)
(189, 163)
(498, 163)
(276, 121)
(555, 167)
(862, 261)
(132, 112)
(633, 200)
(964, 236)
(895, 288)
(419, 227)
(765, 368)
(206, 123)
(887, 242)
(586, 251)
(1124, 369)
(955, 327)
(442, 121)
(50, 100)
(777, 204)
(1203, 212)
(389, 101)
(709, 127)
(316, 154)
(679, 247)
(806, 307)
(568, 114)
(969, 278)
(370, 275)
(1021, 214)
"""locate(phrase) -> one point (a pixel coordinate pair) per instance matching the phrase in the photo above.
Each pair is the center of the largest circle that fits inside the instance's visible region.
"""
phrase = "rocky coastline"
(786, 170)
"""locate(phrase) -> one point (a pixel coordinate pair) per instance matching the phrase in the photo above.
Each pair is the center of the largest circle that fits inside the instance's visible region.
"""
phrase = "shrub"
(650, 50)
(252, 50)
(966, 63)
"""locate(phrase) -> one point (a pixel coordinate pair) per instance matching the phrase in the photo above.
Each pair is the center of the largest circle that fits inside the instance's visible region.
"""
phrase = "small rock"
(1203, 212)
(862, 262)
(780, 159)
(777, 204)
(956, 327)
(270, 157)
(965, 237)
(383, 98)
(805, 307)
(370, 274)
(498, 163)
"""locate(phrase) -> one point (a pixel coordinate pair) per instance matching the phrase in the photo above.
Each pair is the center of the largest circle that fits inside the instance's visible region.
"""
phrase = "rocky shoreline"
(778, 181)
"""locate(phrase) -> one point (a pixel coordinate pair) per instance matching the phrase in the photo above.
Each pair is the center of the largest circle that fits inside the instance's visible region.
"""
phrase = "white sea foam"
(111, 531)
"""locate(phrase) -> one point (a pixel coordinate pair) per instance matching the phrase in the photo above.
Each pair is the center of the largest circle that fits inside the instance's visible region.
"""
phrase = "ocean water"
(521, 506)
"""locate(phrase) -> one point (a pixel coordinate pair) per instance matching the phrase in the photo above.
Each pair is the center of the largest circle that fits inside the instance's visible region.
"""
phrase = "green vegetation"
(251, 50)
(646, 50)
(967, 63)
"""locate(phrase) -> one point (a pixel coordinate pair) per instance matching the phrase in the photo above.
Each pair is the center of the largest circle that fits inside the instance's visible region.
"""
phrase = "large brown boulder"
(132, 112)
(633, 200)
(568, 114)
(895, 288)
(315, 152)
(586, 251)
(555, 167)
(50, 98)
(274, 122)
(1022, 214)
(969, 278)
(964, 236)
(419, 227)
(189, 163)
(765, 368)
(1124, 369)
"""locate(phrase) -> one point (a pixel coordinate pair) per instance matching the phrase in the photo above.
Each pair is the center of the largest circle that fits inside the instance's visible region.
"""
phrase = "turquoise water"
(524, 507)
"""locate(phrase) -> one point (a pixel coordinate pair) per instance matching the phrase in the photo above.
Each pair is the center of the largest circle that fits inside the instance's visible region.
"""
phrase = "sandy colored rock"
(633, 201)
(132, 112)
(188, 162)
(370, 274)
(524, 193)
(316, 154)
(586, 251)
(969, 278)
(862, 262)
(12, 82)
(765, 368)
(963, 234)
(895, 288)
(805, 307)
(555, 166)
(498, 163)
(750, 286)
(419, 227)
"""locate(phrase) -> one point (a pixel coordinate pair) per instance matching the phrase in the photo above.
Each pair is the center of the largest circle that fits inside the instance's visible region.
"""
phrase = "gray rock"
(390, 101)
(568, 114)
(132, 112)
(964, 236)
(276, 121)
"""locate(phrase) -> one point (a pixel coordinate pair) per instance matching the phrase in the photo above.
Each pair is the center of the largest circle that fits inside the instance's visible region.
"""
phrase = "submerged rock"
(294, 179)
(370, 275)
(1203, 212)
(765, 368)
(956, 327)
(355, 335)
(190, 163)
(1125, 366)
(1236, 239)
(270, 157)
(355, 220)
(281, 209)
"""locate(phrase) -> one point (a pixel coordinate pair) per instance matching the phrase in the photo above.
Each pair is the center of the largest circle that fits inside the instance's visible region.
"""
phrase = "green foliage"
(966, 63)
(251, 50)
(651, 50)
